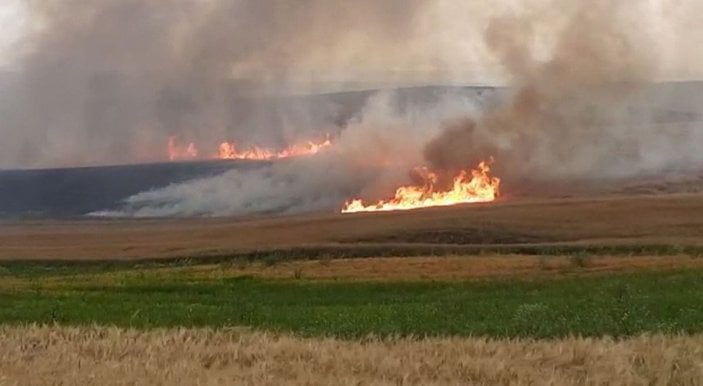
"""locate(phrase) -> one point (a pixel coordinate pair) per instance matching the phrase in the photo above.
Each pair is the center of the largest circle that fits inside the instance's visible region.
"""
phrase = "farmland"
(614, 305)
(628, 224)
(99, 356)
(558, 288)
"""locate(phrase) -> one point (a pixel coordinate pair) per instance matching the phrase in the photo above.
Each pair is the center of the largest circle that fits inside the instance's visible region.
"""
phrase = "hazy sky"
(675, 24)
(12, 18)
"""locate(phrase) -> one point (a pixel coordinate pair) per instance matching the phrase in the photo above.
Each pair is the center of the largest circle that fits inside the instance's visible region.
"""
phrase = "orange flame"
(468, 187)
(176, 152)
(228, 150)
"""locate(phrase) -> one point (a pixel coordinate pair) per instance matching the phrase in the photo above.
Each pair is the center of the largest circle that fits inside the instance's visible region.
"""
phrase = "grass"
(581, 260)
(581, 254)
(102, 356)
(616, 305)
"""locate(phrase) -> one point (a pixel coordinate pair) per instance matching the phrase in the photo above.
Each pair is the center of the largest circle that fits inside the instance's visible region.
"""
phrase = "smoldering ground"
(583, 102)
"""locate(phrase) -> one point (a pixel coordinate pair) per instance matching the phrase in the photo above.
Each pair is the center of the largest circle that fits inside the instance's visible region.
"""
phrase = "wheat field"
(34, 355)
(652, 220)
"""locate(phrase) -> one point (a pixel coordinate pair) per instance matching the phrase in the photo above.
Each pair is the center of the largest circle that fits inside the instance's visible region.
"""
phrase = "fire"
(176, 152)
(470, 186)
(228, 150)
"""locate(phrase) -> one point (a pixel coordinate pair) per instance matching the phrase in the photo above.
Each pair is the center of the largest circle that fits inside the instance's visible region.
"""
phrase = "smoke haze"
(372, 156)
(110, 81)
(587, 110)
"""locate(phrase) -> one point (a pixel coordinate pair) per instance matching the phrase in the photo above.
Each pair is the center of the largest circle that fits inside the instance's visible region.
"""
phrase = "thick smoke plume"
(588, 110)
(109, 81)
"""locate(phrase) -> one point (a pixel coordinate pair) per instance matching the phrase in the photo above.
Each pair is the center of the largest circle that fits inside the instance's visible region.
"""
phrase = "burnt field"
(75, 192)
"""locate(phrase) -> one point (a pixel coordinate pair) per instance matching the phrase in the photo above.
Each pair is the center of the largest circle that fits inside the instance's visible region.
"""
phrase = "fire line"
(230, 150)
(469, 186)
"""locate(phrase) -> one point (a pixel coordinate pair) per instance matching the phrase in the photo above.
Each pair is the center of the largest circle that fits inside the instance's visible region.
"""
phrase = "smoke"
(109, 81)
(588, 110)
(371, 157)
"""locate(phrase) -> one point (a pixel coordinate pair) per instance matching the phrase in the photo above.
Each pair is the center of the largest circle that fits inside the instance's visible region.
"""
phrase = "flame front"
(228, 150)
(470, 186)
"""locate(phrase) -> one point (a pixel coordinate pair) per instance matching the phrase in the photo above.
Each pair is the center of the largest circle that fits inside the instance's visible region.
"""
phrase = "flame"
(470, 186)
(228, 150)
(176, 152)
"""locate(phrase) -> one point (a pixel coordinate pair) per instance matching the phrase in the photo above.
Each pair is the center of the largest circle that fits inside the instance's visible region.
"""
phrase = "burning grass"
(100, 356)
(231, 150)
(468, 187)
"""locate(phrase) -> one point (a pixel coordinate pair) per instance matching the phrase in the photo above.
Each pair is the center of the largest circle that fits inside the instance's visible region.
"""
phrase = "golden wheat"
(104, 356)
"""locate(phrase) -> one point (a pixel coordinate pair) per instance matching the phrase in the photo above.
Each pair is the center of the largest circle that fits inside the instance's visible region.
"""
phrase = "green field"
(614, 304)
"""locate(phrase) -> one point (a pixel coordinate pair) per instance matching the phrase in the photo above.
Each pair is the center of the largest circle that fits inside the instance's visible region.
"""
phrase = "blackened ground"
(72, 192)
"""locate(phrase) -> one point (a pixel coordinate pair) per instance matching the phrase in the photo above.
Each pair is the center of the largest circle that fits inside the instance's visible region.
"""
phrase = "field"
(615, 305)
(632, 222)
(560, 291)
(104, 356)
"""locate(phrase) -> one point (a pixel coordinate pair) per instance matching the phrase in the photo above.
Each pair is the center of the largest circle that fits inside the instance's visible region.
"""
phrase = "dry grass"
(670, 219)
(448, 268)
(377, 269)
(103, 356)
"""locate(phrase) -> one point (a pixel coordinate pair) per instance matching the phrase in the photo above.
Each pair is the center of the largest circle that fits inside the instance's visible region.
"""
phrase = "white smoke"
(370, 157)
